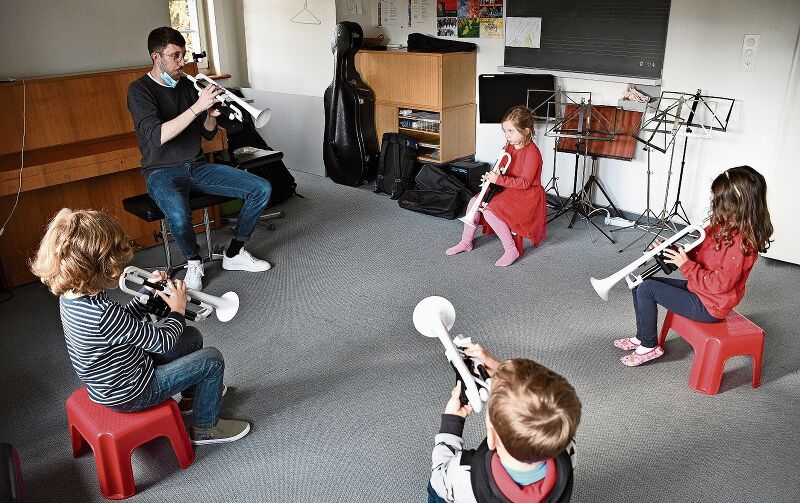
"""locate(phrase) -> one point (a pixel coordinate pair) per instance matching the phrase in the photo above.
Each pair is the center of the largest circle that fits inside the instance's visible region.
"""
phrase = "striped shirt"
(108, 345)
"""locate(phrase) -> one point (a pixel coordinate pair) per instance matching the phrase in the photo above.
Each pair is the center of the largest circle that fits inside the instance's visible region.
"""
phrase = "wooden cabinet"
(429, 96)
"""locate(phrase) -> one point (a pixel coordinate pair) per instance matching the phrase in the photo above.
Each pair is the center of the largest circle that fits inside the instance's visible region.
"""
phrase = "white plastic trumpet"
(603, 286)
(469, 217)
(434, 317)
(225, 306)
(260, 117)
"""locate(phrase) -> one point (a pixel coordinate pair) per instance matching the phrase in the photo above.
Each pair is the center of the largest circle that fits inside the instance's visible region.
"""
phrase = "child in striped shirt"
(127, 362)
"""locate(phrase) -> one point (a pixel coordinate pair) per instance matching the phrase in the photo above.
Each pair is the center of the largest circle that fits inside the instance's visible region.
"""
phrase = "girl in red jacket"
(521, 207)
(716, 270)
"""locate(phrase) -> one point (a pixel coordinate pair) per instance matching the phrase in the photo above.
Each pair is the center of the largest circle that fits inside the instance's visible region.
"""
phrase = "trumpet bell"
(227, 307)
(431, 310)
(628, 273)
(260, 117)
(602, 287)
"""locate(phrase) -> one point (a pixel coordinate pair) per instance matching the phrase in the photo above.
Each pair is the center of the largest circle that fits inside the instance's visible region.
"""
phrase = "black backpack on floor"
(436, 193)
(396, 167)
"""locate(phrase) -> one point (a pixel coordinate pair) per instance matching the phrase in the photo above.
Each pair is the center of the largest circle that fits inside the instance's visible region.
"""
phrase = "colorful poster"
(469, 28)
(468, 8)
(491, 27)
(491, 8)
(469, 25)
(446, 8)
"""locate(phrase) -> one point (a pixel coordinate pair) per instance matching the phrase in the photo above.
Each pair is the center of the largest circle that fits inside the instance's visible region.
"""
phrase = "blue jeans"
(169, 188)
(189, 369)
(673, 295)
(433, 497)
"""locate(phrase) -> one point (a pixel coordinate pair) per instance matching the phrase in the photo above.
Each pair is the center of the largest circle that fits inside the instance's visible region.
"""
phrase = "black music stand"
(583, 125)
(543, 110)
(676, 114)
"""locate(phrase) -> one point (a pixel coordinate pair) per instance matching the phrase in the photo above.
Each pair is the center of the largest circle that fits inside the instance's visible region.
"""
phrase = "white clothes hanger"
(305, 16)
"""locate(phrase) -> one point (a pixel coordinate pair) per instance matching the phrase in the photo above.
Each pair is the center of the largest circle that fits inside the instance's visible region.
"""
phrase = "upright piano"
(80, 151)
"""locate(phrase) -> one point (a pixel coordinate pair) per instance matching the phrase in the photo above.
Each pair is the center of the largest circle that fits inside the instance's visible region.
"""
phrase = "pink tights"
(498, 226)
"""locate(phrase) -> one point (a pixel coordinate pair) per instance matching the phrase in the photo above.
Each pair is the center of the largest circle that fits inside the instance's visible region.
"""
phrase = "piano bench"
(145, 208)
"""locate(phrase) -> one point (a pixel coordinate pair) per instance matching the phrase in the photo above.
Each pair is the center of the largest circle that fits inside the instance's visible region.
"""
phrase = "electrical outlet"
(749, 52)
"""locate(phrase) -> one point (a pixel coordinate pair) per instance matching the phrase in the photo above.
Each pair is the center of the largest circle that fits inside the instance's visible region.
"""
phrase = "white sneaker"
(243, 261)
(194, 275)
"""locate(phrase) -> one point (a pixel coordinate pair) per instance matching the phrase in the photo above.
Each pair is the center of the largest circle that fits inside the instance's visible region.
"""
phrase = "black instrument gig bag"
(436, 193)
(432, 202)
(283, 183)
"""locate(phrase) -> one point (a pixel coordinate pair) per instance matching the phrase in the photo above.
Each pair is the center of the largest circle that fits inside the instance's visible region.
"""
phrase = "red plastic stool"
(114, 435)
(713, 344)
(519, 241)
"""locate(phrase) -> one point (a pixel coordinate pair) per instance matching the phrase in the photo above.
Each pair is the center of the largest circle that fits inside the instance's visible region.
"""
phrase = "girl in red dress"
(521, 207)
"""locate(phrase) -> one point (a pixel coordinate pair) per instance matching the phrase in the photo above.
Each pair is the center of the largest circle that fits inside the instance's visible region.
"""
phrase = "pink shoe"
(634, 359)
(627, 344)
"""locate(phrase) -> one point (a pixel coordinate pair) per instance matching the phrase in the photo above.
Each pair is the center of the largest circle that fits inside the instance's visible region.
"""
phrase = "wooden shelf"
(443, 84)
(413, 132)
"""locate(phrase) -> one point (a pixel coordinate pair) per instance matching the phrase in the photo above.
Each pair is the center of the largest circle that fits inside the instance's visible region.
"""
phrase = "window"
(186, 16)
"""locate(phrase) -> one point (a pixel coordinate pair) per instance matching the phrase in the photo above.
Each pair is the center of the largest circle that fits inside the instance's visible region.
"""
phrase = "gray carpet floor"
(344, 395)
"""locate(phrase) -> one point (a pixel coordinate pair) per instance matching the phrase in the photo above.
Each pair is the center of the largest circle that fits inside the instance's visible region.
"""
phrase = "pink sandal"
(634, 359)
(627, 344)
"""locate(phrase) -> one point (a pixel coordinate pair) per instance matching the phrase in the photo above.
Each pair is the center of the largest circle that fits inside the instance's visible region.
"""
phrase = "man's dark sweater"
(151, 105)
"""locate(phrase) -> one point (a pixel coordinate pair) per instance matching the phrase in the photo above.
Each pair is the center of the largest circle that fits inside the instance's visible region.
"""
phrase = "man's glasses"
(175, 56)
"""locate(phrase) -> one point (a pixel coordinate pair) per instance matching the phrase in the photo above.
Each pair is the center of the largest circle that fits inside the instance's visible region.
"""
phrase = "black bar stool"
(145, 208)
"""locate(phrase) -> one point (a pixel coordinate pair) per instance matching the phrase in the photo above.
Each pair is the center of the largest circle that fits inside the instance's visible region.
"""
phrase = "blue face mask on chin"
(168, 80)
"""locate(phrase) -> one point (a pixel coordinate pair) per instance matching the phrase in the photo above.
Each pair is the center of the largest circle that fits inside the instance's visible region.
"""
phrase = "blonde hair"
(534, 411)
(521, 118)
(82, 251)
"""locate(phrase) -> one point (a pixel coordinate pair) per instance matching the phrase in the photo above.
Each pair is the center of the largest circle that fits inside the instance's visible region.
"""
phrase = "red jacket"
(718, 277)
(522, 205)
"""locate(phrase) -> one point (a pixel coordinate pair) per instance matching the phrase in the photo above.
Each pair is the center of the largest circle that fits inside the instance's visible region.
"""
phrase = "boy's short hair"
(160, 38)
(533, 410)
(82, 251)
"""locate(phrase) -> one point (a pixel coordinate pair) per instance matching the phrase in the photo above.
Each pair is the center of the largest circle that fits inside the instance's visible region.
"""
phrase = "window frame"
(198, 24)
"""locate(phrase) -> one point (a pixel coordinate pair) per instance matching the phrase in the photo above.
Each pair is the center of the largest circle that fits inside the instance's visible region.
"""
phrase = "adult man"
(170, 119)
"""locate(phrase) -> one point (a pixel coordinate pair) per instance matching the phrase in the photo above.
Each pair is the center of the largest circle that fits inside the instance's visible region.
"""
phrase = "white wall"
(291, 61)
(704, 44)
(226, 41)
(40, 38)
(783, 179)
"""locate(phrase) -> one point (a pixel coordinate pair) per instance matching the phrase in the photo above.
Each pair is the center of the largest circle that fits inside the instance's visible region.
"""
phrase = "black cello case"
(350, 149)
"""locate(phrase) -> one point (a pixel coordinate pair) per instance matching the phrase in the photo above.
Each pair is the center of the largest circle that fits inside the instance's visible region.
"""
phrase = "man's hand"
(207, 98)
(475, 350)
(454, 404)
(176, 300)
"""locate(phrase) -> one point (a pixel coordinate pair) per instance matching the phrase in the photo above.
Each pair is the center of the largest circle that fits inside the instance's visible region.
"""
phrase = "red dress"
(522, 204)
